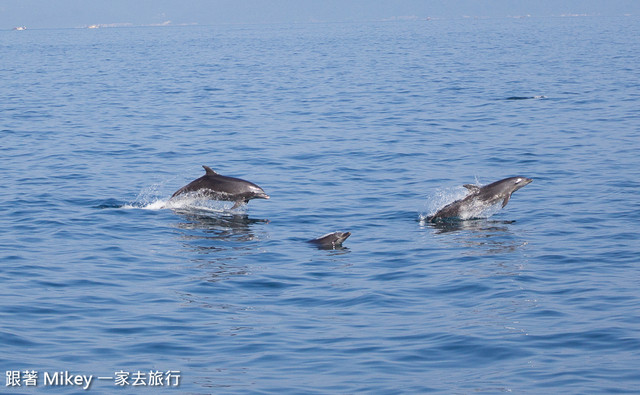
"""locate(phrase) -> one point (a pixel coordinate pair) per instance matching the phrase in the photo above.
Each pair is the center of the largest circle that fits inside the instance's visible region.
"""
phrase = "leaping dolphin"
(331, 240)
(217, 187)
(481, 198)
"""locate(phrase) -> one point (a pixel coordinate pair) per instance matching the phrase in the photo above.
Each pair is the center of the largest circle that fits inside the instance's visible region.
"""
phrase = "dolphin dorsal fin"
(472, 188)
(208, 171)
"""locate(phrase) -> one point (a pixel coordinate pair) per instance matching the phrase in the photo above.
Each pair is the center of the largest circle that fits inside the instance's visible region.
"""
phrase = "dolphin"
(525, 97)
(480, 198)
(217, 187)
(331, 240)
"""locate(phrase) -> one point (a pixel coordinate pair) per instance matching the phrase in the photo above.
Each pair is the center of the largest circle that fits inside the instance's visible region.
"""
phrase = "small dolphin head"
(340, 237)
(519, 182)
(331, 240)
(257, 192)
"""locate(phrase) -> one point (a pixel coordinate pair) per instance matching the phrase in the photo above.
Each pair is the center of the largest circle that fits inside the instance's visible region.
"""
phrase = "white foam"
(190, 205)
(443, 196)
(480, 210)
(198, 203)
(148, 199)
(440, 198)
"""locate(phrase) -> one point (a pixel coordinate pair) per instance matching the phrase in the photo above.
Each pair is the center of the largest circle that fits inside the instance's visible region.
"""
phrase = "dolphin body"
(217, 187)
(331, 240)
(481, 198)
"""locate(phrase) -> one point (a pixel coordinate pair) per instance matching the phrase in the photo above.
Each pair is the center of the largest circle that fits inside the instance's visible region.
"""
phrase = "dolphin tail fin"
(505, 201)
(472, 188)
(208, 171)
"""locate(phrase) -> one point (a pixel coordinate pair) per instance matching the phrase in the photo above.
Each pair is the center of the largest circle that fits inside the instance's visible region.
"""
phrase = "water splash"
(149, 199)
(440, 198)
(196, 203)
(480, 210)
(443, 196)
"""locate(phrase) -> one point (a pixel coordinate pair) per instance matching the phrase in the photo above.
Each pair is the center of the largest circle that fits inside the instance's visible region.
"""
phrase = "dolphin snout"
(522, 181)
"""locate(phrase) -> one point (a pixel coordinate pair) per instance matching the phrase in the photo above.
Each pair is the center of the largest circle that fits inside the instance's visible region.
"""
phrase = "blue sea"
(360, 127)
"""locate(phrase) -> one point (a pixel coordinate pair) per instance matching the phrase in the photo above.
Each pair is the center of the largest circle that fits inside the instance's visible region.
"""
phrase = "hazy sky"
(78, 13)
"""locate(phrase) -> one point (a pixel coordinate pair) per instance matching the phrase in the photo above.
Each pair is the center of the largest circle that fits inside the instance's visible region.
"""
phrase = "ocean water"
(366, 128)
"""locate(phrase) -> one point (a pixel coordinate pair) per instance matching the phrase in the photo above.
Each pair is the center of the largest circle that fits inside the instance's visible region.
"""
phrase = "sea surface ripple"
(360, 127)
